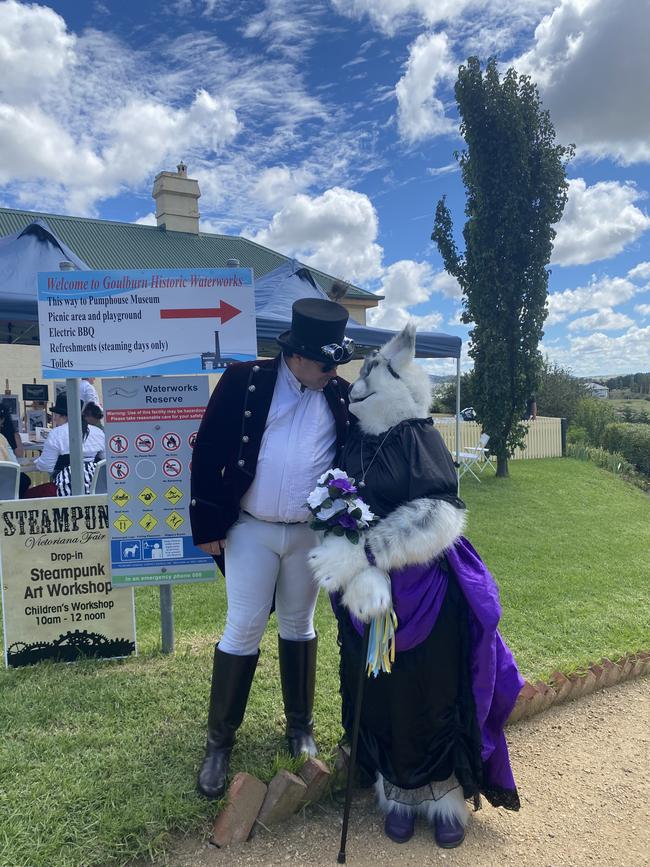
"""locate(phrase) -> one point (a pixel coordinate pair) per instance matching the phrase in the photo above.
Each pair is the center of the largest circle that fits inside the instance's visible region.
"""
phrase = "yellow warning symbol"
(148, 522)
(120, 497)
(174, 520)
(122, 523)
(173, 494)
(147, 496)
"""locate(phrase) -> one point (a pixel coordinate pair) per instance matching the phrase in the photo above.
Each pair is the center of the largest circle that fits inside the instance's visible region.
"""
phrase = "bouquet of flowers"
(337, 508)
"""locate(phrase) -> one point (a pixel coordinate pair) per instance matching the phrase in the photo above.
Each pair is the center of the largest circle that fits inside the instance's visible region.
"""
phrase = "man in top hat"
(270, 430)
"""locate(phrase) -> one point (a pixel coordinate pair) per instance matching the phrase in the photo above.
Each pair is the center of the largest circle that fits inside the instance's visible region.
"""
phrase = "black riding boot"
(232, 677)
(298, 676)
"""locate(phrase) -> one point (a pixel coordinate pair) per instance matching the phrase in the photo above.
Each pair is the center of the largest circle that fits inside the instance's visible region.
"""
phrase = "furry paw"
(335, 561)
(368, 594)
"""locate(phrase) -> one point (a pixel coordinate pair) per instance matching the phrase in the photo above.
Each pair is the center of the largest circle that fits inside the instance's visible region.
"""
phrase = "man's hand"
(213, 548)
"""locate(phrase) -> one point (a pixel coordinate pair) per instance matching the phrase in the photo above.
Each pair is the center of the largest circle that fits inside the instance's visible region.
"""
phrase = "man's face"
(312, 374)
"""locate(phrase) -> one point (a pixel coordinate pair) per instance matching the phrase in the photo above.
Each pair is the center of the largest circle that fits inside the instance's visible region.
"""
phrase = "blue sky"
(326, 129)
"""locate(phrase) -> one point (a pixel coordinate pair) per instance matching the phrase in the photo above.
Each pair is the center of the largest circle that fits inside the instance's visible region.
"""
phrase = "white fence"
(543, 440)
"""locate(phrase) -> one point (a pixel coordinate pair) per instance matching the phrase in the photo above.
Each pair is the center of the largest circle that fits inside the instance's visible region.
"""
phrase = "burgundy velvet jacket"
(227, 446)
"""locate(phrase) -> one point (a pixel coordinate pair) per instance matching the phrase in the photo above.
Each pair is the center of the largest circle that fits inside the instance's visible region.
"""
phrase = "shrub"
(576, 435)
(558, 392)
(594, 415)
(611, 461)
(632, 441)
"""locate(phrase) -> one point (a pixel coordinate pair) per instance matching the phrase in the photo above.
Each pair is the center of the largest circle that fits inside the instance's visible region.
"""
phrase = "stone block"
(284, 795)
(235, 822)
(627, 667)
(613, 671)
(562, 686)
(548, 694)
(316, 776)
(600, 674)
(589, 683)
(341, 765)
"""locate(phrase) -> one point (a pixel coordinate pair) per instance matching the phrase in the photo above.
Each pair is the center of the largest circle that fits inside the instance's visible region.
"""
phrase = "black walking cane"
(355, 740)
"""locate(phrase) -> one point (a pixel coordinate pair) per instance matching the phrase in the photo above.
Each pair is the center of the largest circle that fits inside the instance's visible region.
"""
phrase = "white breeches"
(263, 558)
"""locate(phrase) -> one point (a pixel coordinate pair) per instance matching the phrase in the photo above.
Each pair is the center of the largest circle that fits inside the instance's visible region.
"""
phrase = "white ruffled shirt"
(298, 446)
(58, 443)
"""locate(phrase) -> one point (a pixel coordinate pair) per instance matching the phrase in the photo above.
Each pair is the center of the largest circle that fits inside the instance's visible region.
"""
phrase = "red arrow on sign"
(224, 311)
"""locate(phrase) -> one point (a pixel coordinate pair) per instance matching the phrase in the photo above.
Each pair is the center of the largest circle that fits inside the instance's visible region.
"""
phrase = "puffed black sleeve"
(212, 510)
(432, 471)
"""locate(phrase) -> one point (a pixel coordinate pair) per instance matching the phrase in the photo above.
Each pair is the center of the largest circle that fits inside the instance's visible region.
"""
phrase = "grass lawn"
(637, 404)
(97, 760)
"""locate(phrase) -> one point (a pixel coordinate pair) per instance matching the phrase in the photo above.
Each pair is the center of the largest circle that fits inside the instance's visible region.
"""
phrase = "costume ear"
(400, 350)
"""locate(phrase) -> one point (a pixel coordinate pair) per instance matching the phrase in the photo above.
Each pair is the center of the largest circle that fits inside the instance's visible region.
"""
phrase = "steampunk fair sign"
(58, 600)
(151, 427)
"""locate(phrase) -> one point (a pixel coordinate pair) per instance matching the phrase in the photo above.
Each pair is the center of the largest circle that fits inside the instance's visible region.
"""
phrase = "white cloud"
(591, 60)
(277, 184)
(35, 47)
(405, 284)
(420, 113)
(605, 320)
(643, 310)
(148, 220)
(605, 292)
(599, 221)
(335, 232)
(640, 271)
(390, 15)
(600, 354)
(438, 171)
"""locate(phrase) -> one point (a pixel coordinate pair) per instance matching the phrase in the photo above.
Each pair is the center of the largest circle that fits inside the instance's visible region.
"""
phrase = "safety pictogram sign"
(172, 467)
(121, 498)
(118, 444)
(173, 494)
(147, 496)
(171, 442)
(148, 522)
(119, 470)
(192, 439)
(144, 442)
(122, 523)
(174, 520)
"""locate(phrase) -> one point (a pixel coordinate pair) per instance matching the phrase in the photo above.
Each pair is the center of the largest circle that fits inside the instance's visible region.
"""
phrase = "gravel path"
(583, 775)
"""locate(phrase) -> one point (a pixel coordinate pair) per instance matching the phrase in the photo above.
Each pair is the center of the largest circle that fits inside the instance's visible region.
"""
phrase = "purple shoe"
(399, 826)
(449, 832)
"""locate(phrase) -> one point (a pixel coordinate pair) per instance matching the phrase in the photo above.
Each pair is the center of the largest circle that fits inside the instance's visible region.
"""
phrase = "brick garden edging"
(250, 801)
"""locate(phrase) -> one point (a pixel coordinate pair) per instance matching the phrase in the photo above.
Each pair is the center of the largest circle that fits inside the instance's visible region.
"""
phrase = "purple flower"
(348, 522)
(343, 485)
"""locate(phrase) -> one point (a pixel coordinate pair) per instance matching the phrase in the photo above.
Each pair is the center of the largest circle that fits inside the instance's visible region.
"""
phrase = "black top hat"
(318, 331)
(61, 404)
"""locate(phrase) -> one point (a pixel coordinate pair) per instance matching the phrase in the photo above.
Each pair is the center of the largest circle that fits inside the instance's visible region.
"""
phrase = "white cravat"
(298, 446)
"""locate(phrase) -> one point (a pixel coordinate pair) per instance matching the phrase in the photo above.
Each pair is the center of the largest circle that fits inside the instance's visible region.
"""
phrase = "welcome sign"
(58, 601)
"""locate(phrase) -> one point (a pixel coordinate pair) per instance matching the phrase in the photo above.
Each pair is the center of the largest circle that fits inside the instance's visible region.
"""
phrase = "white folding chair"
(99, 484)
(483, 453)
(467, 461)
(9, 480)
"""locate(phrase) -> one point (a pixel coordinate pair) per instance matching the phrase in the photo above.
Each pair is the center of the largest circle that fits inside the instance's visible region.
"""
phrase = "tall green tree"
(516, 189)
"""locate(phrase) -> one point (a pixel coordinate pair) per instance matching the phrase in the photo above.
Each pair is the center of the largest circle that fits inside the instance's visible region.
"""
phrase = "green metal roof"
(107, 245)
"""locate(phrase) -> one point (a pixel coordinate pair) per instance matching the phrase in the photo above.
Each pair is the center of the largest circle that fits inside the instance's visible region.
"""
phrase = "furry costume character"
(431, 731)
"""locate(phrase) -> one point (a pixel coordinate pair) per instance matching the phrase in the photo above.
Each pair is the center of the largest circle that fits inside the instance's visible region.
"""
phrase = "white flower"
(317, 496)
(332, 474)
(336, 507)
(366, 514)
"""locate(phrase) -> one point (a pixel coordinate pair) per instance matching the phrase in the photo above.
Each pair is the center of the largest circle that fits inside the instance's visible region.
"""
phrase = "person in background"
(55, 458)
(88, 392)
(531, 409)
(93, 414)
(14, 443)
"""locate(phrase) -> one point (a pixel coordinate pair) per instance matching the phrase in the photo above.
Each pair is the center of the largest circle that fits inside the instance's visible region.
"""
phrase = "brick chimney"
(177, 200)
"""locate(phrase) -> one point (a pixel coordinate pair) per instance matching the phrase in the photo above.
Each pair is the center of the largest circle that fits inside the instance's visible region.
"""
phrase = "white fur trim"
(415, 532)
(368, 594)
(386, 804)
(335, 562)
(451, 806)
